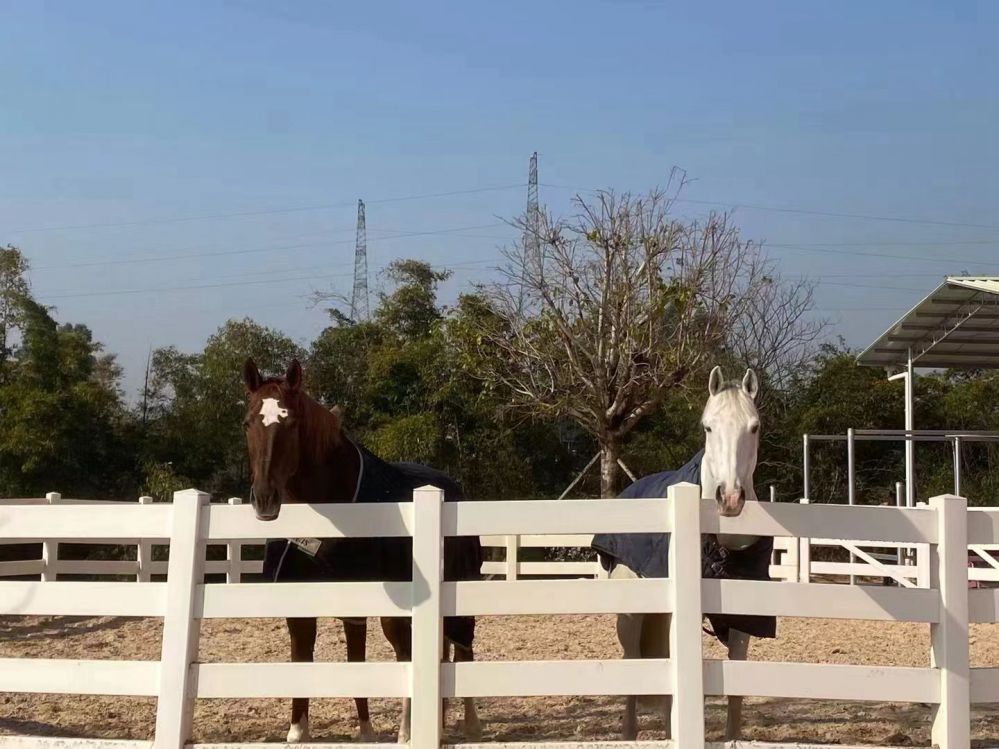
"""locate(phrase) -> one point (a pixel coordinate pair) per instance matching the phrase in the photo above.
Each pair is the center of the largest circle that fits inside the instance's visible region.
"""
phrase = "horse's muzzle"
(267, 506)
(730, 503)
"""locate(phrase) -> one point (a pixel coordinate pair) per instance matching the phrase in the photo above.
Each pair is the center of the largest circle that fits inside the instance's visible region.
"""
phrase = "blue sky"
(119, 119)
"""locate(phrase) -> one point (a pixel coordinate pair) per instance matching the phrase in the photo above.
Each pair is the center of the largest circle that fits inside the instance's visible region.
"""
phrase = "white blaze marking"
(271, 411)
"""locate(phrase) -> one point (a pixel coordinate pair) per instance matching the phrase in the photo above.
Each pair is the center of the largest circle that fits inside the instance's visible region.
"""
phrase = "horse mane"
(321, 429)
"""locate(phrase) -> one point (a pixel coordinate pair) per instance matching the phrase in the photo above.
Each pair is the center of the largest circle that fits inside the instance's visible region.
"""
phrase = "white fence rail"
(50, 565)
(946, 528)
(793, 560)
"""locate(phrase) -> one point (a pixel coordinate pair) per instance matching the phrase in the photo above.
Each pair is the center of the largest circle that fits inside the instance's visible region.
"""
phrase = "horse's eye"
(755, 428)
(246, 423)
(707, 429)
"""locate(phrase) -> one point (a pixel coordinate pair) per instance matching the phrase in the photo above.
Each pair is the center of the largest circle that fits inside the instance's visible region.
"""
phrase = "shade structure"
(955, 326)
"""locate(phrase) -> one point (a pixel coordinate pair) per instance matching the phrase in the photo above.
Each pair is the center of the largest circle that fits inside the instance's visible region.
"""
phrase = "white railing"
(793, 560)
(513, 568)
(946, 527)
(50, 566)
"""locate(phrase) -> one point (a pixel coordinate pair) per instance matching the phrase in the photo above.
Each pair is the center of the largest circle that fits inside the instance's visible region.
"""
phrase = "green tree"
(65, 426)
(404, 382)
(196, 405)
(13, 290)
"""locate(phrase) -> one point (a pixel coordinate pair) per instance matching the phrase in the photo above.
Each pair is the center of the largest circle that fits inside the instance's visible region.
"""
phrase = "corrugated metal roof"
(955, 326)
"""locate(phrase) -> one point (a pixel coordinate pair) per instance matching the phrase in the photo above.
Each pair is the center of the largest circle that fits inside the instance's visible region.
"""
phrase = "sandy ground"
(508, 638)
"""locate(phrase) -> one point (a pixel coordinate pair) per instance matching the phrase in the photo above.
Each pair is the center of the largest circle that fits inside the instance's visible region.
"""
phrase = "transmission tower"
(533, 213)
(359, 297)
(532, 221)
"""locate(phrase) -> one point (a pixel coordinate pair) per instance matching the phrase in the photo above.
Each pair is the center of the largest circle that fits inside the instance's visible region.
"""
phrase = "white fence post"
(804, 555)
(144, 553)
(949, 638)
(50, 548)
(175, 706)
(685, 659)
(512, 556)
(792, 559)
(425, 676)
(920, 556)
(234, 553)
(900, 553)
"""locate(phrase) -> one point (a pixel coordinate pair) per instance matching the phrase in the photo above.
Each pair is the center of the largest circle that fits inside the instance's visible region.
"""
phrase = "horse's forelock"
(731, 396)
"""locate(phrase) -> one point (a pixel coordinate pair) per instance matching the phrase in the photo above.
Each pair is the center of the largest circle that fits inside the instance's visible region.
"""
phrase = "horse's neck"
(329, 477)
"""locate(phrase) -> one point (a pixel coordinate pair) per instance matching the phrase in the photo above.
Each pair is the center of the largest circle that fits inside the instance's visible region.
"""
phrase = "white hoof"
(366, 733)
(299, 732)
(403, 736)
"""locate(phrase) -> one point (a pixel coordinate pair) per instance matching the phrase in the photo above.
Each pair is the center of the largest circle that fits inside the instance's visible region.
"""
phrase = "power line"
(808, 212)
(271, 280)
(267, 211)
(256, 250)
(877, 243)
(893, 256)
(870, 286)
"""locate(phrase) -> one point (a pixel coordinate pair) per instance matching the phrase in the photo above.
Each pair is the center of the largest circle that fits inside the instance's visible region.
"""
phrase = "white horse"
(731, 443)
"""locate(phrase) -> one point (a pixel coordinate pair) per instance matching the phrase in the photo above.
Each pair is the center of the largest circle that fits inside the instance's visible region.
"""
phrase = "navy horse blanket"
(380, 559)
(647, 554)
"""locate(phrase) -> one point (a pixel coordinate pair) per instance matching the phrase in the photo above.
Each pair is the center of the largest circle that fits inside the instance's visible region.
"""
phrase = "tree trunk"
(610, 471)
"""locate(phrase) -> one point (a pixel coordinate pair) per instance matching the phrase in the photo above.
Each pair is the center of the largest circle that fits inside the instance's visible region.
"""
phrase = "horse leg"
(629, 634)
(473, 726)
(303, 644)
(355, 631)
(398, 631)
(738, 649)
(655, 644)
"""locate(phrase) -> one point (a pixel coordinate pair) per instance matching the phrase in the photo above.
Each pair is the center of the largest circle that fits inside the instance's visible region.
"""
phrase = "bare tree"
(610, 309)
(775, 331)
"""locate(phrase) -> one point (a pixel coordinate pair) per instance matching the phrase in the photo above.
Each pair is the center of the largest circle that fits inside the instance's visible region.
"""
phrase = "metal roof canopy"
(955, 326)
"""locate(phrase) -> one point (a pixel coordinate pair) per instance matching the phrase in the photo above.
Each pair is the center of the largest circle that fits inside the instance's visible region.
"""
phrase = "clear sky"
(232, 140)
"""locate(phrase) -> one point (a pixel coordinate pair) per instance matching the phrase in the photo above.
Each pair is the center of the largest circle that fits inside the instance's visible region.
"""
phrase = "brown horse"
(299, 452)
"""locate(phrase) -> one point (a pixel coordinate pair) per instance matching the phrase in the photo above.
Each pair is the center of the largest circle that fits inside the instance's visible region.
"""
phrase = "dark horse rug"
(380, 559)
(647, 554)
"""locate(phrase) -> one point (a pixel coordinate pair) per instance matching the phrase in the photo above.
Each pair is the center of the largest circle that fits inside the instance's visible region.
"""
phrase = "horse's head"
(731, 442)
(277, 409)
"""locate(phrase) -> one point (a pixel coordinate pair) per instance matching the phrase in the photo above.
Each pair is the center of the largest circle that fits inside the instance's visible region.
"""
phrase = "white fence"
(50, 566)
(794, 560)
(946, 528)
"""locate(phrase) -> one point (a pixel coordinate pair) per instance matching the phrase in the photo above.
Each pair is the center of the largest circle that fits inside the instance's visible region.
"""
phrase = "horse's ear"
(251, 376)
(293, 377)
(751, 384)
(715, 381)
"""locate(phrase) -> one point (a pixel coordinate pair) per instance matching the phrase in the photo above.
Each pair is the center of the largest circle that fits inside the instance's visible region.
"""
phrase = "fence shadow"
(19, 627)
(23, 727)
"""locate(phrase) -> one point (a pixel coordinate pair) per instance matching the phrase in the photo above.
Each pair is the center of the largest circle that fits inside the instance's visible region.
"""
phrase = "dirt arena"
(510, 638)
